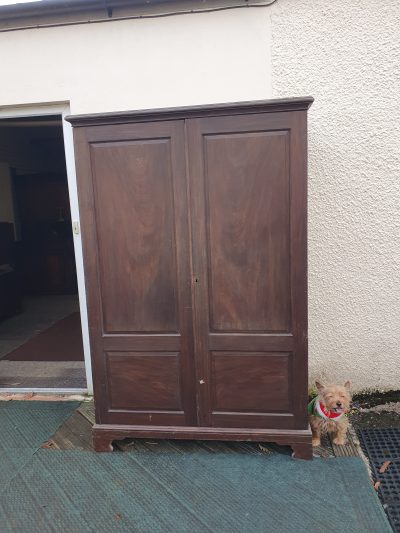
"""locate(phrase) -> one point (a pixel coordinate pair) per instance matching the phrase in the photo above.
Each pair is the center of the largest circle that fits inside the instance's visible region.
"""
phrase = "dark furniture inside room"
(10, 297)
(195, 252)
(46, 259)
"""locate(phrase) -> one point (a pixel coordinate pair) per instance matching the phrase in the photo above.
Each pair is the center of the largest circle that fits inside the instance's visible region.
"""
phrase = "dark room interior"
(40, 331)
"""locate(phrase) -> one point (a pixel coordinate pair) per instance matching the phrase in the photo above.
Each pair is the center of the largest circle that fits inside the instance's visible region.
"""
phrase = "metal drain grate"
(380, 445)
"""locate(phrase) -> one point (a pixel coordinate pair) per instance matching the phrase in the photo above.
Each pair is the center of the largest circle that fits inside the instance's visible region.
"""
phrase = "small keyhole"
(196, 280)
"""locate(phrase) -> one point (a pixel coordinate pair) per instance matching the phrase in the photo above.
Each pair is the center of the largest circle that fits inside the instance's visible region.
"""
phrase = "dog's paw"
(316, 441)
(339, 441)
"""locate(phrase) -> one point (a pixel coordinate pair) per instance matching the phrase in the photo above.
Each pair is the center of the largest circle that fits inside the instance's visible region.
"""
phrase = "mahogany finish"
(194, 230)
(132, 189)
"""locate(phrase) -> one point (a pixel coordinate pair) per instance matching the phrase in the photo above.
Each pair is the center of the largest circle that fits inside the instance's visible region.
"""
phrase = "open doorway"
(41, 343)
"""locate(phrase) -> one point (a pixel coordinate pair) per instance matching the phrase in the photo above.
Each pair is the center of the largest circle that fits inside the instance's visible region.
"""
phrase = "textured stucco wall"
(346, 53)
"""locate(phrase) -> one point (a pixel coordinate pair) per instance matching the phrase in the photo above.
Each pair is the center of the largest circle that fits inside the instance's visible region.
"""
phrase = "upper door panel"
(133, 183)
(247, 218)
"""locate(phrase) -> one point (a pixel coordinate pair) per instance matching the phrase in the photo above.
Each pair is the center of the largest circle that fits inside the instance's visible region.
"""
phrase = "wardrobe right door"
(248, 222)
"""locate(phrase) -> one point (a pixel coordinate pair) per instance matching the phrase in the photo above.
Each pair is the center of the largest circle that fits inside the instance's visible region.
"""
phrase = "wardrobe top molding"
(176, 113)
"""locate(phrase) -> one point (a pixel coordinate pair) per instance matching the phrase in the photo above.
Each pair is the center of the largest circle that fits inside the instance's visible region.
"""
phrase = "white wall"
(173, 61)
(344, 53)
(347, 55)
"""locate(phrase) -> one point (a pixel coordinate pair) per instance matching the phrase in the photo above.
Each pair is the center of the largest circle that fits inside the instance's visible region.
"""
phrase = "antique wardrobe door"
(133, 202)
(248, 206)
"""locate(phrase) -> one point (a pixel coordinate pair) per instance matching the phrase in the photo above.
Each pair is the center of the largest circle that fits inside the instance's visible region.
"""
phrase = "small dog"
(327, 412)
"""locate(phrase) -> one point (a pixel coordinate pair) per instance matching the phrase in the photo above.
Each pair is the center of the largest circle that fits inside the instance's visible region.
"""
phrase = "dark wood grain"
(302, 450)
(142, 342)
(248, 254)
(298, 251)
(241, 341)
(195, 249)
(133, 201)
(105, 434)
(89, 240)
(147, 416)
(247, 203)
(179, 113)
(298, 440)
(256, 382)
(135, 232)
(149, 380)
(253, 420)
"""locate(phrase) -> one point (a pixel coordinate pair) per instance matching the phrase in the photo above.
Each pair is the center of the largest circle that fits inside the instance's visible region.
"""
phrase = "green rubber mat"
(87, 492)
(29, 424)
(24, 426)
(11, 462)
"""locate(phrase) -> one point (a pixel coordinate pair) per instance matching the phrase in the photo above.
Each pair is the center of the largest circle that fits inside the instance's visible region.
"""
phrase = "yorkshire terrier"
(327, 412)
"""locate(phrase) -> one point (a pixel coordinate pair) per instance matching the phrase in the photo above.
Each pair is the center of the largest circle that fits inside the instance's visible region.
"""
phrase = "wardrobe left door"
(134, 215)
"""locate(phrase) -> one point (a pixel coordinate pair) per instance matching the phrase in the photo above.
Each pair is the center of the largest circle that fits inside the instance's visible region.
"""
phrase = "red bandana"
(327, 413)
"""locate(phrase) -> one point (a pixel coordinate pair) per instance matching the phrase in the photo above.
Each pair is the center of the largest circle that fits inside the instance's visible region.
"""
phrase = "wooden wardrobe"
(195, 250)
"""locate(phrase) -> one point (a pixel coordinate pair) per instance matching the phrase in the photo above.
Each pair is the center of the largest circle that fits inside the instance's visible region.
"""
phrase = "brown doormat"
(60, 342)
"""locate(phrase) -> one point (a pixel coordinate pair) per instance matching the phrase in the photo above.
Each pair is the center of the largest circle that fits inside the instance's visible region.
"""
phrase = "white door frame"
(63, 109)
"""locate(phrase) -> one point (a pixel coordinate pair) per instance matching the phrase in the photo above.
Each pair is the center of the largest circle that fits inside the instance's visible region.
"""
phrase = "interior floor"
(42, 375)
(40, 314)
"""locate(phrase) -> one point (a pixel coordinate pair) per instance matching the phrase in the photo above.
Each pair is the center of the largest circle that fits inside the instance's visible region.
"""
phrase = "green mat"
(29, 424)
(24, 426)
(83, 492)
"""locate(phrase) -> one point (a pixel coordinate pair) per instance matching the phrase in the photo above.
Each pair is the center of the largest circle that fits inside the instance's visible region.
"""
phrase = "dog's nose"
(339, 404)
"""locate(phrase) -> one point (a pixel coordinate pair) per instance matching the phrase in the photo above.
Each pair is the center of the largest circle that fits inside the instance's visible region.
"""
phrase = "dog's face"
(335, 397)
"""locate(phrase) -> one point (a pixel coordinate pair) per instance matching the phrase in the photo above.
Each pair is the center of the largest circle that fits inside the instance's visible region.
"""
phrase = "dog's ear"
(347, 385)
(319, 386)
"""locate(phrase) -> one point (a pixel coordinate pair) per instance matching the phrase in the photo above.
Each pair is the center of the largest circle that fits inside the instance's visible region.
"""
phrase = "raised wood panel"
(143, 381)
(247, 195)
(256, 382)
(148, 417)
(252, 342)
(135, 230)
(142, 342)
(284, 421)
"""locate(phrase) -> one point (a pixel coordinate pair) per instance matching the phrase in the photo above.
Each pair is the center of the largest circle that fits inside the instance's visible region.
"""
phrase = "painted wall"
(345, 54)
(135, 64)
